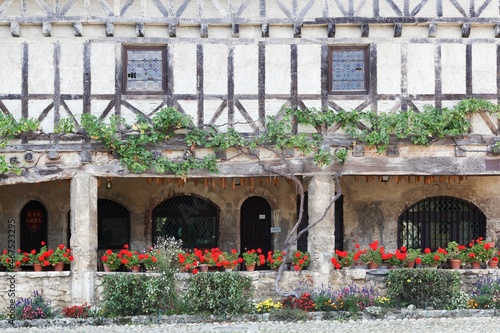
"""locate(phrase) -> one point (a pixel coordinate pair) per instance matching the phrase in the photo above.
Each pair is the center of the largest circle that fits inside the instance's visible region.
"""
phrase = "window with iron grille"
(436, 221)
(348, 69)
(192, 219)
(113, 225)
(145, 69)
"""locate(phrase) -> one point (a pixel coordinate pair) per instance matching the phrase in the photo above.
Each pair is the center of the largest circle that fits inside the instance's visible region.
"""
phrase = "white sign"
(262, 217)
(275, 230)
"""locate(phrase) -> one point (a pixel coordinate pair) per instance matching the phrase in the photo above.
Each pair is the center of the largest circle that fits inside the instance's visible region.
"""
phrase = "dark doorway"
(256, 226)
(33, 226)
(113, 225)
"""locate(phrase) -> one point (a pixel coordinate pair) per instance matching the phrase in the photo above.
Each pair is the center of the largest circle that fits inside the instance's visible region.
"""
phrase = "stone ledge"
(36, 274)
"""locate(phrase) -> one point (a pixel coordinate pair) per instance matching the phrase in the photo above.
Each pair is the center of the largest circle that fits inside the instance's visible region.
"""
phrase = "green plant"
(422, 287)
(33, 307)
(373, 254)
(300, 259)
(486, 293)
(219, 293)
(342, 259)
(455, 251)
(480, 250)
(136, 294)
(62, 254)
(413, 254)
(275, 258)
(288, 315)
(434, 258)
(459, 300)
(64, 126)
(111, 259)
(253, 257)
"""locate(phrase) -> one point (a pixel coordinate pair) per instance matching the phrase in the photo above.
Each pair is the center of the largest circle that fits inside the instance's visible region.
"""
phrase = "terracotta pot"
(37, 267)
(493, 264)
(250, 268)
(107, 269)
(18, 268)
(475, 265)
(135, 269)
(410, 264)
(203, 268)
(372, 265)
(59, 267)
(455, 263)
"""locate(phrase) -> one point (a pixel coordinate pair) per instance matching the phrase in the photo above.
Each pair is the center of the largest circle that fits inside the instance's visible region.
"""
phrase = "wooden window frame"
(163, 50)
(366, 50)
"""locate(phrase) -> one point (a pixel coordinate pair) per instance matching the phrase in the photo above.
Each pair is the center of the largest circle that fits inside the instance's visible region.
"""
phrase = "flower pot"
(250, 268)
(493, 264)
(455, 263)
(37, 267)
(410, 264)
(372, 265)
(107, 269)
(203, 268)
(18, 268)
(59, 267)
(135, 269)
(475, 265)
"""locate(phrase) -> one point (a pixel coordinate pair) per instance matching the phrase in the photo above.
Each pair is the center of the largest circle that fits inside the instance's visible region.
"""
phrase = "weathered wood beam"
(77, 29)
(15, 29)
(47, 29)
(109, 28)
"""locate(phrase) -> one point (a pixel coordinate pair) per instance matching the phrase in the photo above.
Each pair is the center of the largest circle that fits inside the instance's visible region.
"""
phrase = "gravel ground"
(424, 325)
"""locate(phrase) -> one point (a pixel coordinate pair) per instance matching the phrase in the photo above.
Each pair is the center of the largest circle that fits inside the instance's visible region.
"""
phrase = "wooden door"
(33, 226)
(256, 226)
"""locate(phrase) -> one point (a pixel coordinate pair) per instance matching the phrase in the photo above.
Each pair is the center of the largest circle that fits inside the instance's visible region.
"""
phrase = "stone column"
(83, 237)
(321, 239)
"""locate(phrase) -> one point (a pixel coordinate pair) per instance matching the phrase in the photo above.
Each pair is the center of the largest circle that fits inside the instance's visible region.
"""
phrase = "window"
(348, 70)
(192, 219)
(436, 221)
(145, 71)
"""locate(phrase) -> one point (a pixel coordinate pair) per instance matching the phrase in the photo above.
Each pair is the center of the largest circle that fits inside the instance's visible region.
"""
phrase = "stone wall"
(56, 286)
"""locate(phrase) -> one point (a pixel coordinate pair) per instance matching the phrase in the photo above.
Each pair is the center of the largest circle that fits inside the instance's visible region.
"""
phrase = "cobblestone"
(407, 325)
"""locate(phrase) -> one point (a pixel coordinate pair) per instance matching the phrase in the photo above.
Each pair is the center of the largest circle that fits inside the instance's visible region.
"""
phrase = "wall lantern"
(385, 179)
(109, 184)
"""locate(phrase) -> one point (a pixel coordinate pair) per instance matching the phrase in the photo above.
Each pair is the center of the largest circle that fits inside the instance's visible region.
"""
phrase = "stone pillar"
(321, 239)
(83, 237)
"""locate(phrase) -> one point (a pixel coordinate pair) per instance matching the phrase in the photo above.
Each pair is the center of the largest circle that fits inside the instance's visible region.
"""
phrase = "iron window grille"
(436, 221)
(113, 225)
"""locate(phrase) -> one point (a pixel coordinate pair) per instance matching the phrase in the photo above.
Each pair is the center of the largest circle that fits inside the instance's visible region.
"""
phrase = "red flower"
(71, 258)
(33, 252)
(125, 246)
(436, 257)
(109, 252)
(403, 248)
(18, 263)
(42, 242)
(296, 267)
(259, 250)
(233, 251)
(4, 251)
(61, 246)
(487, 246)
(104, 258)
(297, 254)
(357, 246)
(153, 259)
(427, 251)
(418, 261)
(195, 271)
(46, 263)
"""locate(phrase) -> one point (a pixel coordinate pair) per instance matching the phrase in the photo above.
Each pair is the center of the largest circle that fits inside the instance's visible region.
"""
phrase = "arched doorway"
(34, 227)
(192, 219)
(436, 221)
(113, 225)
(256, 226)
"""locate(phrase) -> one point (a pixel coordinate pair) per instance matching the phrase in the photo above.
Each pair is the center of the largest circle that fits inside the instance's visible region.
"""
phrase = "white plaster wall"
(453, 68)
(184, 63)
(278, 69)
(11, 58)
(420, 69)
(389, 68)
(215, 68)
(41, 68)
(246, 69)
(484, 62)
(71, 68)
(102, 60)
(309, 69)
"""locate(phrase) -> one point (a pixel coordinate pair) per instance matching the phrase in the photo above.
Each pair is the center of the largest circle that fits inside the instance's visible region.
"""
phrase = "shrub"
(288, 315)
(33, 307)
(422, 287)
(137, 294)
(77, 311)
(219, 293)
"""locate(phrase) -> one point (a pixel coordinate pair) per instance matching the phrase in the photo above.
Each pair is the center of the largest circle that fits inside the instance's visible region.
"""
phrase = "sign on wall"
(34, 220)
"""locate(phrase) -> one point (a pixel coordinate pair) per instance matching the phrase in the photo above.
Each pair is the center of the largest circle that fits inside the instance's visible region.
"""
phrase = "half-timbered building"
(233, 63)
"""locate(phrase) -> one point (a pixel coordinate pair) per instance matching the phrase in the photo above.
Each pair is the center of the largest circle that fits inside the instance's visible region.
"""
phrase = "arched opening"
(436, 221)
(113, 225)
(256, 226)
(34, 227)
(192, 219)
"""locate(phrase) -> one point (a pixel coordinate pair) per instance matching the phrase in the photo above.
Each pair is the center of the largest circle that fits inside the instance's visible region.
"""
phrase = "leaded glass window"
(145, 69)
(348, 70)
(436, 221)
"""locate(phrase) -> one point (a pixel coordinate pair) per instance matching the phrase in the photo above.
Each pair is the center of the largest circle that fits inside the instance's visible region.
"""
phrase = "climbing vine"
(133, 143)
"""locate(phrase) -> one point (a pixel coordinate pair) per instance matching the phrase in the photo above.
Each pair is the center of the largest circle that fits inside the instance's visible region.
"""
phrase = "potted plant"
(300, 260)
(231, 259)
(111, 261)
(342, 259)
(411, 257)
(455, 254)
(149, 259)
(43, 258)
(130, 259)
(253, 257)
(275, 259)
(395, 259)
(373, 255)
(480, 251)
(13, 261)
(187, 261)
(61, 256)
(434, 259)
(214, 257)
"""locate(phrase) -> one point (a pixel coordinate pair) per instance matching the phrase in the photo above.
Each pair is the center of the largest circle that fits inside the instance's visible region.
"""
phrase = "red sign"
(34, 220)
